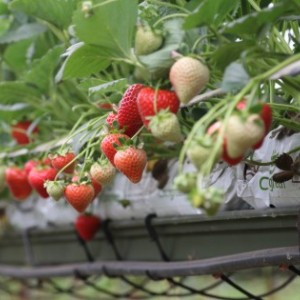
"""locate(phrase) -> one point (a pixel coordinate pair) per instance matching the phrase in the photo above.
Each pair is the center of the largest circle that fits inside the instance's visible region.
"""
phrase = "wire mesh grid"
(159, 280)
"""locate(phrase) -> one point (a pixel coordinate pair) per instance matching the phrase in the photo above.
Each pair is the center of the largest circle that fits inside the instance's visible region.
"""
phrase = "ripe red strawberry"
(20, 134)
(17, 181)
(79, 195)
(29, 165)
(111, 118)
(150, 102)
(87, 226)
(266, 116)
(97, 186)
(131, 162)
(55, 189)
(128, 113)
(65, 161)
(38, 176)
(165, 126)
(107, 145)
(103, 172)
(188, 77)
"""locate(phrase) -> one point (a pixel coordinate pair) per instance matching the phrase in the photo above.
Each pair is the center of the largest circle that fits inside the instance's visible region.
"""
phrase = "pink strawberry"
(131, 162)
(107, 145)
(79, 195)
(38, 176)
(87, 226)
(103, 172)
(151, 101)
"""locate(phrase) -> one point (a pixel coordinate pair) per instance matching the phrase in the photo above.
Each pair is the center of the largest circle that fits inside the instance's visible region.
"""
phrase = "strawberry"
(151, 101)
(200, 149)
(146, 40)
(105, 106)
(185, 182)
(65, 162)
(17, 181)
(87, 226)
(2, 178)
(96, 185)
(20, 134)
(103, 172)
(79, 195)
(213, 129)
(38, 176)
(111, 118)
(265, 114)
(131, 162)
(243, 134)
(55, 189)
(107, 145)
(188, 77)
(128, 113)
(29, 165)
(165, 126)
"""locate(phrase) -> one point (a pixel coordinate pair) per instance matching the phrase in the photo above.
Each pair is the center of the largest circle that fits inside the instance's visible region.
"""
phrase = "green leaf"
(83, 60)
(15, 55)
(110, 26)
(235, 78)
(42, 70)
(57, 12)
(5, 24)
(210, 13)
(17, 92)
(111, 86)
(225, 54)
(23, 32)
(254, 22)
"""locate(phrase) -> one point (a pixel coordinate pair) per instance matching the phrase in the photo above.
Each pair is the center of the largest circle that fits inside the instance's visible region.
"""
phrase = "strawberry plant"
(211, 77)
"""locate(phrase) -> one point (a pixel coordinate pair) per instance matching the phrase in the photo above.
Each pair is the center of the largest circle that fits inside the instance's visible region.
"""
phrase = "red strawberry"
(20, 134)
(29, 165)
(266, 116)
(107, 145)
(17, 181)
(131, 162)
(65, 162)
(111, 118)
(151, 101)
(128, 113)
(87, 226)
(96, 185)
(79, 195)
(38, 176)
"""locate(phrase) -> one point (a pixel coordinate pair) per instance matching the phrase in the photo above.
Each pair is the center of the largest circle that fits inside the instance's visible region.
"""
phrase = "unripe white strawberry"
(188, 77)
(146, 40)
(200, 150)
(165, 126)
(55, 189)
(103, 173)
(243, 134)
